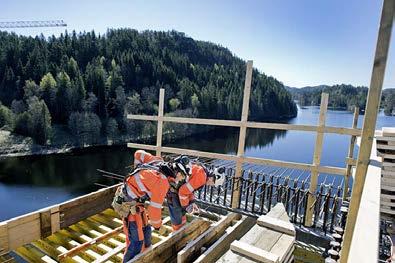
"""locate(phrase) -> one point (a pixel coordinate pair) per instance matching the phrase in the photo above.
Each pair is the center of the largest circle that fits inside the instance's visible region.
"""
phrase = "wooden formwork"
(85, 229)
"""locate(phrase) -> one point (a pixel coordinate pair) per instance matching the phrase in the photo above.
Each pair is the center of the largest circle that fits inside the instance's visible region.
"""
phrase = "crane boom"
(23, 24)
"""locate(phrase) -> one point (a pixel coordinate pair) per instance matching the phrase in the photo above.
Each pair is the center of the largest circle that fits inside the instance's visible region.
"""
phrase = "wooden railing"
(315, 168)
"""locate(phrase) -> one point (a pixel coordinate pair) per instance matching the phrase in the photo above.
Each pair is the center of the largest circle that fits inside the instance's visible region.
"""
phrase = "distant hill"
(94, 79)
(341, 96)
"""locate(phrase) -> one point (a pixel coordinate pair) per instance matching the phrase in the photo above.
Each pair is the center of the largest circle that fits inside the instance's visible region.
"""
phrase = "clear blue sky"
(300, 42)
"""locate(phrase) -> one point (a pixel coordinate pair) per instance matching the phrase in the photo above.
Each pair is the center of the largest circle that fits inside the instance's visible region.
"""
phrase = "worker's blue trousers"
(135, 244)
(177, 213)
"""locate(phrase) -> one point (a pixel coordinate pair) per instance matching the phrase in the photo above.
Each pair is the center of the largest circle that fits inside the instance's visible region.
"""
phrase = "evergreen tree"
(48, 90)
(63, 97)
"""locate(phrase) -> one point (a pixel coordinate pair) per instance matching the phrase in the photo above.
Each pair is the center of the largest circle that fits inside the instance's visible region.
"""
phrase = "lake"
(33, 182)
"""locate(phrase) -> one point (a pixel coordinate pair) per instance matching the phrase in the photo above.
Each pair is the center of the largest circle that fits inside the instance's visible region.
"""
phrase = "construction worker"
(142, 157)
(180, 198)
(146, 182)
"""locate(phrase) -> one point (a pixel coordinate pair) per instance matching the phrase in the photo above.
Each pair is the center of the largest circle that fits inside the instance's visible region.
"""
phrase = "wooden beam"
(82, 207)
(316, 160)
(369, 123)
(242, 134)
(350, 154)
(45, 223)
(4, 246)
(249, 124)
(253, 252)
(223, 243)
(276, 224)
(260, 161)
(217, 229)
(160, 121)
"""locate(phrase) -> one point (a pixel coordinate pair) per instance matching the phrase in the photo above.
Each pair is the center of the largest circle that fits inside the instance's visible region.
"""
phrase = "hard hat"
(167, 169)
(183, 164)
(219, 176)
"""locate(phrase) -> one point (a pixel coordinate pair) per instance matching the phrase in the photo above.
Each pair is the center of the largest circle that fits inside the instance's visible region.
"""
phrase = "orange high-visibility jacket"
(155, 185)
(141, 156)
(197, 179)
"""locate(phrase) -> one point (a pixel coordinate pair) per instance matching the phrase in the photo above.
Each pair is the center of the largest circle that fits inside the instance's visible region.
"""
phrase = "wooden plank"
(276, 225)
(388, 181)
(160, 121)
(23, 219)
(385, 147)
(350, 154)
(24, 233)
(253, 252)
(316, 160)
(388, 187)
(85, 206)
(387, 211)
(284, 247)
(249, 124)
(223, 243)
(216, 230)
(242, 133)
(260, 161)
(45, 223)
(110, 254)
(369, 123)
(55, 219)
(258, 236)
(4, 245)
(388, 131)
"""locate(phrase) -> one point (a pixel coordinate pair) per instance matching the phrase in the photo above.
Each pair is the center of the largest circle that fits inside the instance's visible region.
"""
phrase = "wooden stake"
(160, 121)
(369, 123)
(242, 134)
(350, 153)
(316, 159)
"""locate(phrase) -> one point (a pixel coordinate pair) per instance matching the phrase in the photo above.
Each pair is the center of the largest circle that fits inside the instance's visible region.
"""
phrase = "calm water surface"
(30, 183)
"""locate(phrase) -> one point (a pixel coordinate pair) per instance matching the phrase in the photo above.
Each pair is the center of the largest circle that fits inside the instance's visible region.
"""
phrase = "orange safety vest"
(141, 156)
(155, 185)
(197, 179)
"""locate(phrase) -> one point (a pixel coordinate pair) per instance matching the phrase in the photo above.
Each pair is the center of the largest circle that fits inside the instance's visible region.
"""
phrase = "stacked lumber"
(271, 239)
(386, 149)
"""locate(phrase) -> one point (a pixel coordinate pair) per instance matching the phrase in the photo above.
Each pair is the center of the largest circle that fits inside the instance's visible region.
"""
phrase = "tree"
(39, 123)
(111, 128)
(48, 90)
(174, 103)
(195, 103)
(85, 126)
(31, 89)
(6, 117)
(63, 97)
(78, 93)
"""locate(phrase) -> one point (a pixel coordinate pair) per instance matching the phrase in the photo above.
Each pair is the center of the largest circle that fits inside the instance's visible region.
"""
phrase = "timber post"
(242, 134)
(350, 154)
(159, 129)
(369, 123)
(316, 159)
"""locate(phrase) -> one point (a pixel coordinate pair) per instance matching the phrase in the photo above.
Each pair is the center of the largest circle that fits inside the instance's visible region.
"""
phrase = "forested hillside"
(342, 97)
(88, 82)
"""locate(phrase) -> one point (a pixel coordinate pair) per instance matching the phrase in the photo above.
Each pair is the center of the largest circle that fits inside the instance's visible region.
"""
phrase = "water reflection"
(225, 140)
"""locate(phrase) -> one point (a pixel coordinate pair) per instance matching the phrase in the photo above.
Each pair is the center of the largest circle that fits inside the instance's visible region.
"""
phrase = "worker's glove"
(193, 209)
